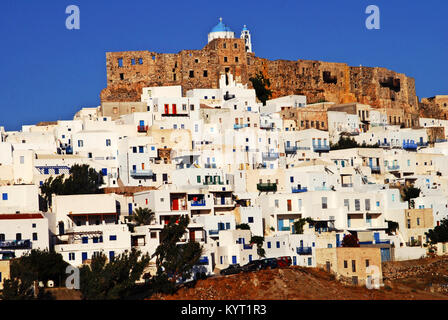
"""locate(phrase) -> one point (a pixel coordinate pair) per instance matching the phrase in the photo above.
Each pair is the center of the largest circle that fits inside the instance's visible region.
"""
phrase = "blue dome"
(221, 27)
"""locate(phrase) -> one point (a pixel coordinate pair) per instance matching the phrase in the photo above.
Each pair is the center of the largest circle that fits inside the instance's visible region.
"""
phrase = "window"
(112, 238)
(153, 235)
(121, 76)
(22, 159)
(111, 255)
(278, 244)
(5, 196)
(276, 203)
(191, 74)
(367, 263)
(357, 205)
(235, 45)
(133, 62)
(108, 143)
(225, 59)
(120, 62)
(85, 240)
(18, 236)
(269, 244)
(250, 219)
(2, 237)
(345, 264)
(71, 256)
(324, 203)
(80, 143)
(347, 204)
(418, 221)
(140, 61)
(367, 204)
(140, 149)
(236, 59)
(34, 225)
(205, 73)
(353, 265)
(34, 236)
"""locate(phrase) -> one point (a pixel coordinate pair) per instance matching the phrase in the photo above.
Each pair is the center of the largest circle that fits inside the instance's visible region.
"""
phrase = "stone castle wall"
(319, 81)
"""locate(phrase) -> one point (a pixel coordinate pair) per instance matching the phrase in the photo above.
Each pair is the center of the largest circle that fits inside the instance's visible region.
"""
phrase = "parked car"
(269, 263)
(254, 265)
(284, 261)
(231, 269)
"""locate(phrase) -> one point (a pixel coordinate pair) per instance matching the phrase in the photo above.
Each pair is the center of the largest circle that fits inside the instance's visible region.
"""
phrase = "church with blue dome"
(221, 31)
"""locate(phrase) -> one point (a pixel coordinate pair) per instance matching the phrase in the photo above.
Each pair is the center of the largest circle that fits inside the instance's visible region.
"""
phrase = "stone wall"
(319, 81)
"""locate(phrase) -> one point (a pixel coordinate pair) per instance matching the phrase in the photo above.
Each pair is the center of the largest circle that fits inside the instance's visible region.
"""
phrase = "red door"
(174, 109)
(192, 235)
(175, 206)
(167, 109)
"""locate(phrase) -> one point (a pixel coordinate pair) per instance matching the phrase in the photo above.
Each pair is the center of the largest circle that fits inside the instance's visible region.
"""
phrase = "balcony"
(224, 202)
(347, 185)
(322, 188)
(299, 190)
(247, 247)
(213, 232)
(291, 149)
(267, 187)
(200, 203)
(267, 126)
(141, 173)
(384, 144)
(409, 145)
(375, 169)
(142, 128)
(422, 144)
(15, 244)
(210, 165)
(270, 155)
(382, 241)
(394, 167)
(240, 126)
(304, 250)
(213, 182)
(318, 148)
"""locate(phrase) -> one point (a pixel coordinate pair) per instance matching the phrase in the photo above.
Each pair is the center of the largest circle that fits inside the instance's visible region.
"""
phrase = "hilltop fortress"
(128, 72)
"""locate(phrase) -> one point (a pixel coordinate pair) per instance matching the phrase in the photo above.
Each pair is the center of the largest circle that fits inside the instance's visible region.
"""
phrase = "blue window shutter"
(250, 258)
(84, 256)
(111, 255)
(104, 171)
(278, 244)
(269, 244)
(5, 196)
(85, 240)
(233, 259)
(227, 225)
(130, 208)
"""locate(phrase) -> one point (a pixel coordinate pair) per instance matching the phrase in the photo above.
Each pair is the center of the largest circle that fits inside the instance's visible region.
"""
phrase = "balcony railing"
(347, 185)
(382, 241)
(375, 168)
(142, 128)
(247, 247)
(299, 190)
(441, 140)
(200, 203)
(409, 145)
(267, 126)
(284, 229)
(422, 144)
(213, 232)
(304, 250)
(15, 244)
(318, 148)
(240, 126)
(141, 173)
(322, 188)
(266, 187)
(291, 149)
(384, 144)
(226, 202)
(210, 165)
(393, 167)
(210, 182)
(270, 155)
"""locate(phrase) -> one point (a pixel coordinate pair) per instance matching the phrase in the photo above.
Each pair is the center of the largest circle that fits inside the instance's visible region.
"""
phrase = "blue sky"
(49, 72)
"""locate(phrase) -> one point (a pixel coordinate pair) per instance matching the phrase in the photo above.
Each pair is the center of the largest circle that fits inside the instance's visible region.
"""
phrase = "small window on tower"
(236, 59)
(121, 76)
(225, 59)
(205, 74)
(236, 45)
(191, 74)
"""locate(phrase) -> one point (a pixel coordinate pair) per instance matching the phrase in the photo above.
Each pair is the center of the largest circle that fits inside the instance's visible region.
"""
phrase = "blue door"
(385, 254)
(223, 200)
(130, 208)
(250, 258)
(233, 259)
(338, 244)
(84, 256)
(294, 261)
(142, 123)
(376, 236)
